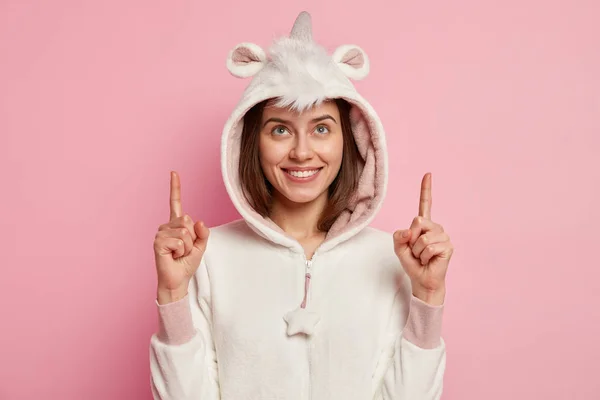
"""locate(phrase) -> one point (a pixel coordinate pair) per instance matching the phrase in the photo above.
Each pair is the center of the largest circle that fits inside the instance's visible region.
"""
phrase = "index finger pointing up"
(425, 202)
(175, 198)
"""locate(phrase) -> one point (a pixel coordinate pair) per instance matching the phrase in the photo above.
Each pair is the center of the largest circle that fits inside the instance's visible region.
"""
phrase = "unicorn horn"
(302, 28)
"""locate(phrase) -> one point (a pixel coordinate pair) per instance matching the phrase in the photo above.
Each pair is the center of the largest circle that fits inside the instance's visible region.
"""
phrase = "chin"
(301, 197)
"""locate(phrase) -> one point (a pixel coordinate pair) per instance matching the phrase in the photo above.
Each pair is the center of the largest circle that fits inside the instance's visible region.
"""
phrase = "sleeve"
(183, 363)
(413, 363)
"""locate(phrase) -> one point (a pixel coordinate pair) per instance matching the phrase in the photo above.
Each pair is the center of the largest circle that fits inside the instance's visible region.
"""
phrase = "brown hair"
(259, 192)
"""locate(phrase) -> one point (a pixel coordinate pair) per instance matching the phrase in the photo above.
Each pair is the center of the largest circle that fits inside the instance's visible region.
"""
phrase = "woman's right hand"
(178, 249)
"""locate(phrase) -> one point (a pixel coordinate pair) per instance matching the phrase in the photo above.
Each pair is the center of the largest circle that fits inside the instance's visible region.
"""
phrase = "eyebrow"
(314, 120)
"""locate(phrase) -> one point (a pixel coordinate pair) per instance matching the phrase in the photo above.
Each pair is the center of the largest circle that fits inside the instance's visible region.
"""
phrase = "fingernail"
(405, 234)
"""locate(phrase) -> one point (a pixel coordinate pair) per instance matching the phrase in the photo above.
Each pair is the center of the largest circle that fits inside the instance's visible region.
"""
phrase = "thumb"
(401, 242)
(202, 233)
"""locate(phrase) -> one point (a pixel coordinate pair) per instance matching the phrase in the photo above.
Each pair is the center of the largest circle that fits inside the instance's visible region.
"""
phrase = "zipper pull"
(308, 266)
(306, 283)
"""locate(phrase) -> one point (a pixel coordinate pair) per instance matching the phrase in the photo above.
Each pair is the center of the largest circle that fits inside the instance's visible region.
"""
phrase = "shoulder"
(235, 237)
(230, 233)
(239, 227)
(374, 233)
(373, 239)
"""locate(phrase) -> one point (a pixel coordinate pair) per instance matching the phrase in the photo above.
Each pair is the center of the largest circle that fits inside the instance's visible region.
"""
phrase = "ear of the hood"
(352, 60)
(246, 59)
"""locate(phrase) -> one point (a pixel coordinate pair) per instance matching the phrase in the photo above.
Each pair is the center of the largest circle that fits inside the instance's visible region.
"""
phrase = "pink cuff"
(424, 325)
(175, 322)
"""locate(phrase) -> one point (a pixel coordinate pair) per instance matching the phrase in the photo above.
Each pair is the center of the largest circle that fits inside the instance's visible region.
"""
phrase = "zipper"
(308, 263)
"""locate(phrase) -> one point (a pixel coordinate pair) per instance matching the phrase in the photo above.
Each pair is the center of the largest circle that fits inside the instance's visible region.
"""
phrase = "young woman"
(300, 299)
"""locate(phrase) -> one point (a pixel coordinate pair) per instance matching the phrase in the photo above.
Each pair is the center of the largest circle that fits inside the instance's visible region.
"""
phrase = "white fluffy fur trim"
(303, 73)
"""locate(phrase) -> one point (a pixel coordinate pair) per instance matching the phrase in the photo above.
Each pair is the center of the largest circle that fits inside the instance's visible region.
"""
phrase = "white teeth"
(303, 174)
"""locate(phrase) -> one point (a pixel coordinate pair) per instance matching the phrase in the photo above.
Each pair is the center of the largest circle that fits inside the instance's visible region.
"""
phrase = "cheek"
(331, 151)
(271, 153)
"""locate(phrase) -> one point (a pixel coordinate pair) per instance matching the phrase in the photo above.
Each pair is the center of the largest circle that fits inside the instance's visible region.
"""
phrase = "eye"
(279, 130)
(322, 129)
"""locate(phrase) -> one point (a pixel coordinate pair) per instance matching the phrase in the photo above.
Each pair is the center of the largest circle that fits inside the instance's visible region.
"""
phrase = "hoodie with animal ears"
(262, 322)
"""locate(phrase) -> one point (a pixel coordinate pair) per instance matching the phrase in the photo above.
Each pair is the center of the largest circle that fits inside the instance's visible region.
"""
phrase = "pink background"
(99, 100)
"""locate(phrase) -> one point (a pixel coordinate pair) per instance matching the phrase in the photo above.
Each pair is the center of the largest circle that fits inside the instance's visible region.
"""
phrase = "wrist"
(431, 297)
(165, 296)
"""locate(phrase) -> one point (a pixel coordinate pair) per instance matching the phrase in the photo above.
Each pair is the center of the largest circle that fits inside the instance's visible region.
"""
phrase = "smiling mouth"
(302, 174)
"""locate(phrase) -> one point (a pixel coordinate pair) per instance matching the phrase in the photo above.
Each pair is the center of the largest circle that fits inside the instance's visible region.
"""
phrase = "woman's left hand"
(424, 251)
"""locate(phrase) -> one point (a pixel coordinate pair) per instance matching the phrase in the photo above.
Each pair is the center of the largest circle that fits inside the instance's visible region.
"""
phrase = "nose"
(302, 149)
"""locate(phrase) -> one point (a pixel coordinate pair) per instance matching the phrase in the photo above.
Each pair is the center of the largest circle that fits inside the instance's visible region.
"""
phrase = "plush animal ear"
(352, 60)
(246, 59)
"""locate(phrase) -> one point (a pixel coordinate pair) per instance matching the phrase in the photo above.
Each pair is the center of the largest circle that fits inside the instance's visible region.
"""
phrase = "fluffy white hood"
(301, 74)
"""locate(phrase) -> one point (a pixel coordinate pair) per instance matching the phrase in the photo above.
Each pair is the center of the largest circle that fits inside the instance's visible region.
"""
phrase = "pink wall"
(99, 100)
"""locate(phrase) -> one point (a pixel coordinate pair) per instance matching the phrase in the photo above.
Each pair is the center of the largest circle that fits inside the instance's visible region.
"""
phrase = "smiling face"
(301, 153)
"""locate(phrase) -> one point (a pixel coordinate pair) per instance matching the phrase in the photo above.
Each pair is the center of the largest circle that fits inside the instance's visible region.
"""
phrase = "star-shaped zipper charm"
(301, 321)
